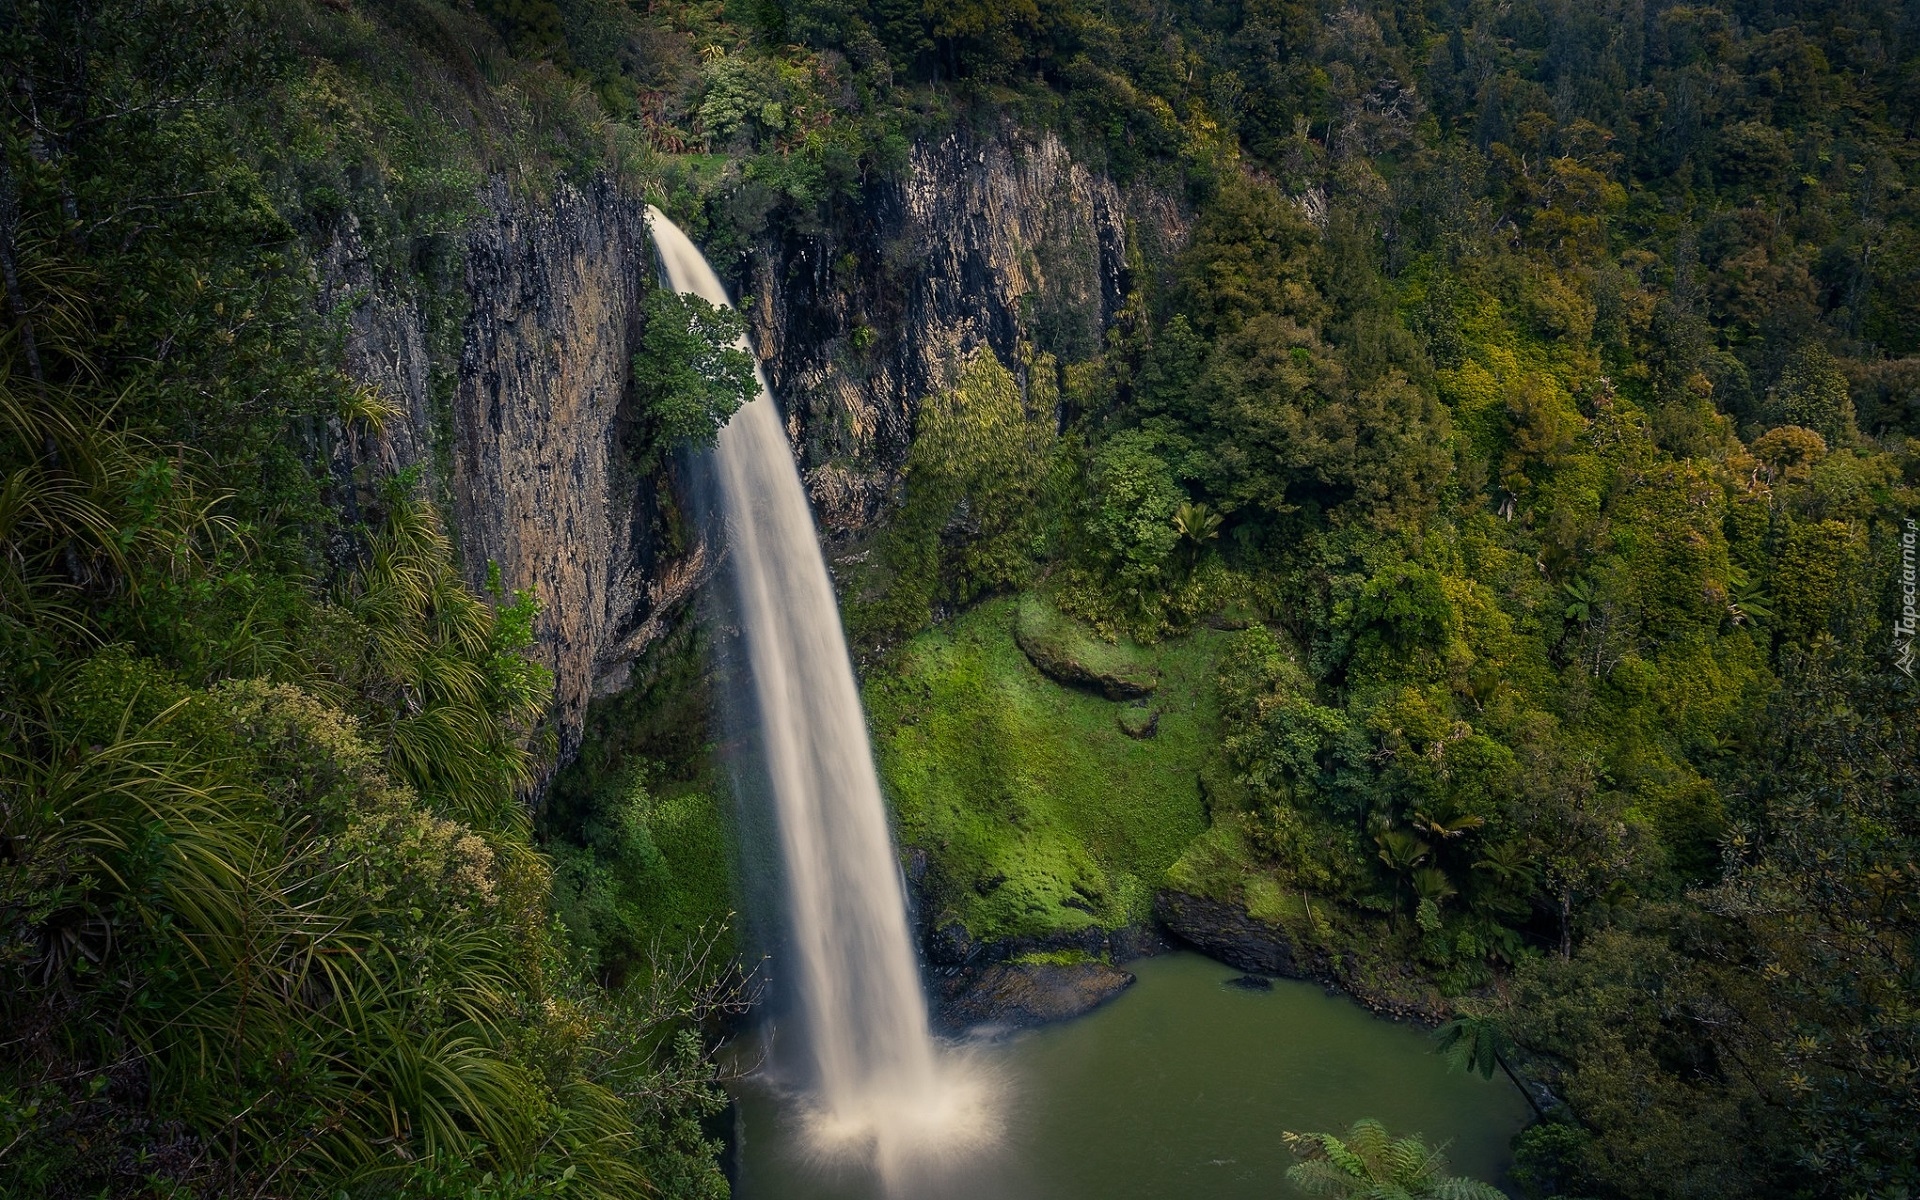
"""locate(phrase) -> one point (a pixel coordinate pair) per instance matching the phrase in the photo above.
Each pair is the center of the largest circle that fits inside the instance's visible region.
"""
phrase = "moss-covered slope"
(1039, 813)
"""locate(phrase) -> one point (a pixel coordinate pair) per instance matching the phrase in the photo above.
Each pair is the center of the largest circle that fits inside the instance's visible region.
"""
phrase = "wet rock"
(1019, 995)
(1136, 941)
(951, 945)
(1228, 933)
(1089, 940)
(1251, 983)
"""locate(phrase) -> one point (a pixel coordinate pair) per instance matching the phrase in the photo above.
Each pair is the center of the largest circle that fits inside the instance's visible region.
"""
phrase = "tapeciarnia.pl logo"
(1904, 624)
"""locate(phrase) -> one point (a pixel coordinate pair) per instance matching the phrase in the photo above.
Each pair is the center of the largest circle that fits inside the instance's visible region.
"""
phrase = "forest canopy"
(1527, 399)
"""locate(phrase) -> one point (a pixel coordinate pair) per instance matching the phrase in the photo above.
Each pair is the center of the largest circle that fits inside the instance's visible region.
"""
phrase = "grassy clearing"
(1039, 814)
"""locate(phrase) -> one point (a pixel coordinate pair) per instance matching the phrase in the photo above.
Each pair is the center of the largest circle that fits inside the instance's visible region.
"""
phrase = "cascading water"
(880, 1084)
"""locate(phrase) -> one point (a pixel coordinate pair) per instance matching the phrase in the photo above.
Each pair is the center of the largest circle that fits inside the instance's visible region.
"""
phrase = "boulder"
(1019, 995)
(950, 945)
(1228, 933)
(1136, 941)
(1065, 651)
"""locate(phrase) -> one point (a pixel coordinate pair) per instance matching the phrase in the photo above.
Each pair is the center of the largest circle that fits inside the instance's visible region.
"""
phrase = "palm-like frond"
(344, 985)
(1370, 1164)
(88, 509)
(303, 992)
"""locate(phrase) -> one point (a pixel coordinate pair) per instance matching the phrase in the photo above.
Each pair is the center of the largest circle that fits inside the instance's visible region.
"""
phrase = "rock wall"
(1229, 933)
(511, 394)
(516, 426)
(987, 242)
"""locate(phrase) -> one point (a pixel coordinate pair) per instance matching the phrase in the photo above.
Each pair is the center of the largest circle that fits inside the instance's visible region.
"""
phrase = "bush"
(692, 372)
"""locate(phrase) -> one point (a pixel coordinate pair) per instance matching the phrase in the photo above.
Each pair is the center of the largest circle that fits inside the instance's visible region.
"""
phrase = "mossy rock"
(1065, 651)
(1139, 722)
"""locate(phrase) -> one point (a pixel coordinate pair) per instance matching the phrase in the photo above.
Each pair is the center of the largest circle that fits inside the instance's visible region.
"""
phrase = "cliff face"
(511, 394)
(986, 243)
(516, 420)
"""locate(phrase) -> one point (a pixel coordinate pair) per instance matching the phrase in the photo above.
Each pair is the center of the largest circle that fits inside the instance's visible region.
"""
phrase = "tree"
(1129, 526)
(1403, 854)
(1480, 1044)
(692, 372)
(1368, 1164)
(1252, 253)
(1812, 393)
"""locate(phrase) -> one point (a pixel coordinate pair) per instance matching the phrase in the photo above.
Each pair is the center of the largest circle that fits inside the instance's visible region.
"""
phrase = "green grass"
(1052, 958)
(1038, 813)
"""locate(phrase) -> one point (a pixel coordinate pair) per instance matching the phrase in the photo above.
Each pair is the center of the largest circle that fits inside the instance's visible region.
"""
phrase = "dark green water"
(1180, 1088)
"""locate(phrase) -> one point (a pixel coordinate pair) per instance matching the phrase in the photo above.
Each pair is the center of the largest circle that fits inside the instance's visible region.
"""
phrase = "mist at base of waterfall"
(899, 1147)
(928, 1146)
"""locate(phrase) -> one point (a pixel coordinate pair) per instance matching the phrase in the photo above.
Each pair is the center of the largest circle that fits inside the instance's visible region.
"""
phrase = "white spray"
(882, 1087)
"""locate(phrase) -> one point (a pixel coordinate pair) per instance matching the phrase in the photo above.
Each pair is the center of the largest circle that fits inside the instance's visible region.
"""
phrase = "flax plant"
(298, 915)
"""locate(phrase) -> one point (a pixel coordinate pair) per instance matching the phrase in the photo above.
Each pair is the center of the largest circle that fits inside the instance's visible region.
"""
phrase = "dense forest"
(1521, 426)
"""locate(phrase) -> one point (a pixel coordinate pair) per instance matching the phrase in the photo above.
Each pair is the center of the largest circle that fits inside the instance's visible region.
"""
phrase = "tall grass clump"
(284, 933)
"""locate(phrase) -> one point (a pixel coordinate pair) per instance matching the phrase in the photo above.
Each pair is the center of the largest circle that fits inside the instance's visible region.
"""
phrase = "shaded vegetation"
(639, 826)
(272, 920)
(1505, 476)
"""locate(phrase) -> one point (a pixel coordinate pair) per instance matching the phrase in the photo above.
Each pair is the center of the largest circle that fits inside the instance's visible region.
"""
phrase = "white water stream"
(879, 1086)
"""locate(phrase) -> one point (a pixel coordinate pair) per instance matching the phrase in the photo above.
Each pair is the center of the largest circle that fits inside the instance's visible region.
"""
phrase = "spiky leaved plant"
(290, 928)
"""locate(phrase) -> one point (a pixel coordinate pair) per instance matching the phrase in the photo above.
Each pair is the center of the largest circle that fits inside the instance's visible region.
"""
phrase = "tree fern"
(1370, 1164)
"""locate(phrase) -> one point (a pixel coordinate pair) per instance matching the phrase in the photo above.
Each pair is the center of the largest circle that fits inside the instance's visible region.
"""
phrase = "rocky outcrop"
(1139, 722)
(1230, 934)
(1009, 983)
(1018, 995)
(511, 410)
(510, 383)
(1067, 652)
(987, 243)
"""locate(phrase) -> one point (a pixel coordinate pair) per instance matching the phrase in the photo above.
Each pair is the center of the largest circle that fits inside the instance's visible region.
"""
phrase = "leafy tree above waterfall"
(691, 373)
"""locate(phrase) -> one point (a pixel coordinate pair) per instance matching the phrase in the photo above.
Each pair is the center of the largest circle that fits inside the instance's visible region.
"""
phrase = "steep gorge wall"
(985, 242)
(517, 425)
(988, 242)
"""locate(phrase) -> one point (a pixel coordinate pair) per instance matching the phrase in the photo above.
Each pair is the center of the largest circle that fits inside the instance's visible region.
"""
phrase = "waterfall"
(879, 1084)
